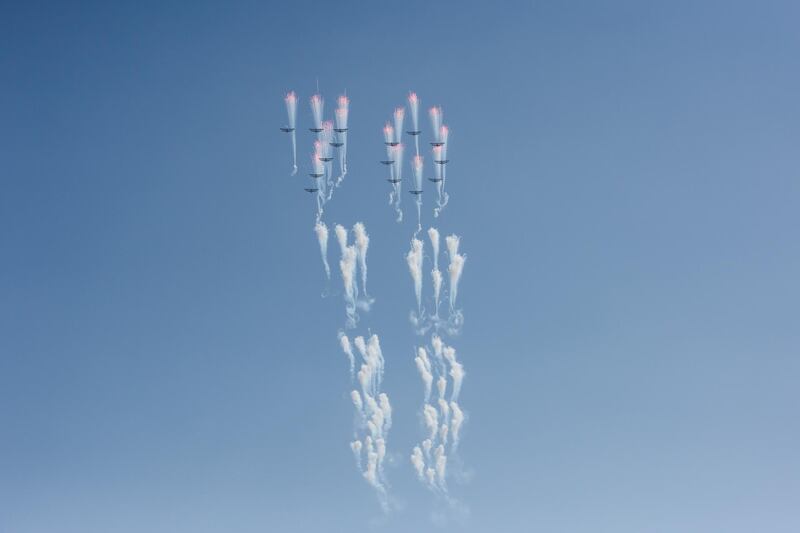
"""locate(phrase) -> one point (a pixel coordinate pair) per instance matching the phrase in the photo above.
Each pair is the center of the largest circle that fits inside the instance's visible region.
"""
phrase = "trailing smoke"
(341, 116)
(418, 190)
(413, 105)
(321, 231)
(291, 111)
(414, 260)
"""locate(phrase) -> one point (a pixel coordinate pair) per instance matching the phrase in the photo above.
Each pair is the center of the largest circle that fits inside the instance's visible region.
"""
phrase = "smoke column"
(362, 244)
(397, 156)
(413, 105)
(317, 104)
(436, 275)
(440, 154)
(341, 115)
(418, 187)
(414, 260)
(321, 231)
(454, 269)
(399, 115)
(291, 110)
(435, 114)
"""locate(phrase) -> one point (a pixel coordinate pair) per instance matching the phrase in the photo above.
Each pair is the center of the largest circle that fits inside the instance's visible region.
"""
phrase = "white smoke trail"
(435, 114)
(433, 235)
(413, 105)
(321, 231)
(362, 244)
(356, 447)
(414, 260)
(317, 103)
(399, 115)
(457, 421)
(431, 417)
(419, 463)
(326, 138)
(291, 111)
(418, 190)
(348, 351)
(440, 154)
(456, 371)
(455, 268)
(318, 177)
(348, 267)
(397, 156)
(341, 116)
(424, 368)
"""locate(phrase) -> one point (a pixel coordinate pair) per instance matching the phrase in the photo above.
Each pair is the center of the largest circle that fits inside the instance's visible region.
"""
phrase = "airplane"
(387, 162)
(393, 180)
(311, 190)
(391, 143)
(315, 176)
(325, 159)
(442, 162)
(414, 132)
(416, 193)
(315, 130)
(336, 145)
(287, 130)
(340, 130)
(437, 144)
(435, 180)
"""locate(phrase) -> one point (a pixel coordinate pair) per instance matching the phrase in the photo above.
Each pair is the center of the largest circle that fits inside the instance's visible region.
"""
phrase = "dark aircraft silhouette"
(325, 159)
(315, 130)
(311, 190)
(389, 162)
(443, 162)
(336, 145)
(287, 130)
(437, 144)
(435, 180)
(415, 193)
(315, 176)
(340, 130)
(393, 180)
(414, 132)
(391, 143)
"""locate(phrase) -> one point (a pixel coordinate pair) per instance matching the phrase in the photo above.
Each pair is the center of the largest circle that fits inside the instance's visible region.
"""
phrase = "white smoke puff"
(362, 244)
(348, 267)
(362, 348)
(348, 350)
(430, 477)
(455, 268)
(380, 450)
(433, 235)
(431, 420)
(436, 277)
(322, 236)
(376, 357)
(399, 115)
(424, 368)
(441, 385)
(378, 421)
(418, 462)
(456, 422)
(386, 409)
(441, 465)
(426, 446)
(438, 347)
(443, 433)
(414, 260)
(364, 378)
(444, 137)
(356, 447)
(356, 397)
(457, 373)
(341, 237)
(397, 156)
(444, 408)
(452, 245)
(373, 428)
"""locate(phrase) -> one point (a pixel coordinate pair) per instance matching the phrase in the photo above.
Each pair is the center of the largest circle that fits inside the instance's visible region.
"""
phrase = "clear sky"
(625, 177)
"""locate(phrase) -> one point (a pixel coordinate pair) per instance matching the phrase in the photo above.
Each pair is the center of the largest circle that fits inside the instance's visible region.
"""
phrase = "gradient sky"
(625, 180)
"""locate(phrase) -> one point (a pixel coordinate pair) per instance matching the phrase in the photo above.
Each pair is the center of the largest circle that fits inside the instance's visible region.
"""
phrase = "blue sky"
(624, 177)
